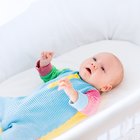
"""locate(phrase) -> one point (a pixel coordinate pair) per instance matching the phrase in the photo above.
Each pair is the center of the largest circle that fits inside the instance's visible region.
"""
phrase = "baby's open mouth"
(89, 70)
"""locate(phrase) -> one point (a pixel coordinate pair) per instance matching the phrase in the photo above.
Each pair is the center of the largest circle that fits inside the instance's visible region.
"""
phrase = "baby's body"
(64, 94)
(31, 117)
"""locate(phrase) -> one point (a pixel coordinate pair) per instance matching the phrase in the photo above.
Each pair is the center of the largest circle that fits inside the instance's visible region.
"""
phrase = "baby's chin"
(87, 79)
(83, 75)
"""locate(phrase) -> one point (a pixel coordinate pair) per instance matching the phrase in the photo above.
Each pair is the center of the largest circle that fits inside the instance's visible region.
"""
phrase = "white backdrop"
(62, 25)
(9, 9)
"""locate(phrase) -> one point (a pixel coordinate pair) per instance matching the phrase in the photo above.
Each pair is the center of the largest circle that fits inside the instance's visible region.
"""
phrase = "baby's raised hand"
(66, 85)
(46, 58)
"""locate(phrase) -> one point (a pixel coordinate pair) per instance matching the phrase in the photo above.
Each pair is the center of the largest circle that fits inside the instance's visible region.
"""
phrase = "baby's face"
(102, 71)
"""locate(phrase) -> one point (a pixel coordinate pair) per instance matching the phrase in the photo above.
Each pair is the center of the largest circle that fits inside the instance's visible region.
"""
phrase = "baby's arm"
(86, 103)
(93, 102)
(45, 68)
(66, 85)
(46, 58)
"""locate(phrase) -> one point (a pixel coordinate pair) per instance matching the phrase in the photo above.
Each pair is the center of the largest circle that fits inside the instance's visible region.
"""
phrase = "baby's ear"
(106, 88)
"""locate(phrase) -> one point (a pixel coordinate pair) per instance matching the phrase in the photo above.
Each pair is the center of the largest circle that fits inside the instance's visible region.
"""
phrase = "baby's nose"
(94, 66)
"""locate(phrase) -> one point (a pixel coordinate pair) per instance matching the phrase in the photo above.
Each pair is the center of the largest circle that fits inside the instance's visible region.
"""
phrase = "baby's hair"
(120, 74)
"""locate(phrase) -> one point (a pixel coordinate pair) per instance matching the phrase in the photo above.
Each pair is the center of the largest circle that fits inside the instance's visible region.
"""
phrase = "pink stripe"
(43, 70)
(93, 102)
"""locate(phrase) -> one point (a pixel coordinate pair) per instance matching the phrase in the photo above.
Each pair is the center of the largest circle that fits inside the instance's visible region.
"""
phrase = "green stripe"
(53, 74)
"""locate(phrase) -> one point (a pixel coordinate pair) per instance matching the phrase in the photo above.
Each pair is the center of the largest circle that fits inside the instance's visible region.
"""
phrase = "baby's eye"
(94, 59)
(103, 69)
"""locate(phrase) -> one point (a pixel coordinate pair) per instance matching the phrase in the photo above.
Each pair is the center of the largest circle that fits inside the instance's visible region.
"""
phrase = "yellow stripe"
(69, 124)
(0, 130)
(69, 77)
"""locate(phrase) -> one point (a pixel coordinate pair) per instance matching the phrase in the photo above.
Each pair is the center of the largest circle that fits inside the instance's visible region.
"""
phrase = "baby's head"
(104, 71)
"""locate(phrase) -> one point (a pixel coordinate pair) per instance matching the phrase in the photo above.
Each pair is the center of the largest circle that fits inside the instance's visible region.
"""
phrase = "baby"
(104, 71)
(61, 100)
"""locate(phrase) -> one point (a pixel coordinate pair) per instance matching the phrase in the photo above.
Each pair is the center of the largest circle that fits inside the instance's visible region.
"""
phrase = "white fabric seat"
(78, 28)
(22, 84)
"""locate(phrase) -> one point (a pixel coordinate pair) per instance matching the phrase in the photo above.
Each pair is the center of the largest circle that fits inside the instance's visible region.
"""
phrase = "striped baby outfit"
(35, 116)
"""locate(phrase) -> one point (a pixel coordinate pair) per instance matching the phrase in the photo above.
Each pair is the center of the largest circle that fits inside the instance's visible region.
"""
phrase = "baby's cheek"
(95, 80)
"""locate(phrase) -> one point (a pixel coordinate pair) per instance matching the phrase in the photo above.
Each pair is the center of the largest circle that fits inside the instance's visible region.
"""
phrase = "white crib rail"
(105, 121)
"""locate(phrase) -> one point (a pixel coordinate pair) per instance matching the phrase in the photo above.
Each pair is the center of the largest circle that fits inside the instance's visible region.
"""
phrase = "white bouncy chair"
(75, 30)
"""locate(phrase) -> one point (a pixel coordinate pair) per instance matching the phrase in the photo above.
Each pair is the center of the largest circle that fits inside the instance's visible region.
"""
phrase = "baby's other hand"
(66, 85)
(46, 58)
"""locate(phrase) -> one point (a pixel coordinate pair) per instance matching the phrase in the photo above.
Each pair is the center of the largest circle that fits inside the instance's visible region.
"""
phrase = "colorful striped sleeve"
(87, 103)
(43, 70)
(47, 72)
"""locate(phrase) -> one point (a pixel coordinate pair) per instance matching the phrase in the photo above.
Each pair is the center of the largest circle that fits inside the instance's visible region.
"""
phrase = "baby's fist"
(66, 85)
(46, 58)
